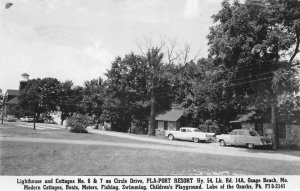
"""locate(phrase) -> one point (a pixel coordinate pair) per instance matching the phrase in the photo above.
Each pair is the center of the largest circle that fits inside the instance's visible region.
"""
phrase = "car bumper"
(209, 139)
(266, 144)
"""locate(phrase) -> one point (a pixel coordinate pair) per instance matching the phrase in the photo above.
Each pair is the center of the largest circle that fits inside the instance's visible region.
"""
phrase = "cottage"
(11, 96)
(171, 120)
(10, 100)
(288, 124)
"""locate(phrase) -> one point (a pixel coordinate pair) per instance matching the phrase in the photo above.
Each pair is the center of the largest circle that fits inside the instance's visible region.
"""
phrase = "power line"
(254, 76)
(250, 81)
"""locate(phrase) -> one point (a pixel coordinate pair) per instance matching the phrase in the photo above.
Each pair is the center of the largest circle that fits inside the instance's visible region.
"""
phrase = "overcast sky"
(78, 39)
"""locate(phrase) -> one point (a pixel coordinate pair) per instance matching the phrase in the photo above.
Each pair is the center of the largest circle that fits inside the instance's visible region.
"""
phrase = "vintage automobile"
(243, 137)
(190, 134)
(27, 119)
(10, 118)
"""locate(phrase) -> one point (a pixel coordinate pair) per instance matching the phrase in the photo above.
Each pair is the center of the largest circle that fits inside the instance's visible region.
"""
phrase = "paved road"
(176, 146)
(208, 148)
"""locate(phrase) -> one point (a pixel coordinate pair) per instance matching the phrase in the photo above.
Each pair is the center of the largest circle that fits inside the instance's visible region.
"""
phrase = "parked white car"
(27, 119)
(190, 134)
(243, 137)
(10, 118)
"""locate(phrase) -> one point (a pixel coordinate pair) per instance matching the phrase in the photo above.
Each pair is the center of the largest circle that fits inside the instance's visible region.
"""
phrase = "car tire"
(196, 140)
(222, 143)
(250, 146)
(171, 137)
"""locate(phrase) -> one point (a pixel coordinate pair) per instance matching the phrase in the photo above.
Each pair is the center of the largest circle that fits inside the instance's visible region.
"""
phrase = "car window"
(241, 133)
(196, 130)
(234, 132)
(182, 130)
(253, 133)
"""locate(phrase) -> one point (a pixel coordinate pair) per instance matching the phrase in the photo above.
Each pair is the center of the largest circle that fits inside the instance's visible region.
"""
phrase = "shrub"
(78, 123)
(138, 127)
(210, 126)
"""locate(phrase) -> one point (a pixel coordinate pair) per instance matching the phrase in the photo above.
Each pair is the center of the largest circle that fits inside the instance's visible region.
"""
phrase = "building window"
(259, 128)
(165, 125)
(282, 130)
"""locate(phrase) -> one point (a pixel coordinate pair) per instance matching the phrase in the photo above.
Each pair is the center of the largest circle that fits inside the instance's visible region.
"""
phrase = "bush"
(210, 126)
(78, 123)
(138, 127)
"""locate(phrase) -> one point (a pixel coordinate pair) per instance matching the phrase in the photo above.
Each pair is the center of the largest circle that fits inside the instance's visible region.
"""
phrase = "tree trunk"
(62, 118)
(34, 116)
(2, 114)
(151, 131)
(274, 127)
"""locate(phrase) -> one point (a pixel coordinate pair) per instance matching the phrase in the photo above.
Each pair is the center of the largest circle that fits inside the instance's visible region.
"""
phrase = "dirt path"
(197, 148)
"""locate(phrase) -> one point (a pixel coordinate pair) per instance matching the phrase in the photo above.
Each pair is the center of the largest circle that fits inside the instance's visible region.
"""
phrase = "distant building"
(171, 120)
(288, 122)
(11, 96)
(23, 81)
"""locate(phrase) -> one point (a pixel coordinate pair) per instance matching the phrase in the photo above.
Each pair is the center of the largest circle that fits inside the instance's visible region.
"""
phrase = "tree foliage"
(93, 99)
(40, 95)
(129, 84)
(255, 43)
(69, 98)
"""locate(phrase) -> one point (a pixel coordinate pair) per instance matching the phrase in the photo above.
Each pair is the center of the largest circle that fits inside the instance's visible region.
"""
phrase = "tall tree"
(40, 96)
(154, 58)
(1, 104)
(93, 98)
(68, 100)
(126, 93)
(255, 44)
(161, 61)
(134, 82)
(1, 97)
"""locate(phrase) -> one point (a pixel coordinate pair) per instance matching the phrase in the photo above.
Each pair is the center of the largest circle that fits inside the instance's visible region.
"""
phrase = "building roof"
(283, 116)
(12, 92)
(25, 74)
(13, 101)
(172, 115)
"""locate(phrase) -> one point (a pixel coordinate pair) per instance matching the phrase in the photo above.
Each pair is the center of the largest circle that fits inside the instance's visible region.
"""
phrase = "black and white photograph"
(150, 88)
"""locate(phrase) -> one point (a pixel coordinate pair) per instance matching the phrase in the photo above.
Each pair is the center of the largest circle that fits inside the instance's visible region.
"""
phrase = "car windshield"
(253, 133)
(196, 130)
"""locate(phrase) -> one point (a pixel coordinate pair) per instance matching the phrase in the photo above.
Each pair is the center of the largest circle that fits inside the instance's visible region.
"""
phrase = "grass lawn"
(23, 158)
(28, 158)
(10, 130)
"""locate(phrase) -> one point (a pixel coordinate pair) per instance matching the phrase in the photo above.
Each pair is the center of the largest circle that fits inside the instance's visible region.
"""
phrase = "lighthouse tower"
(23, 81)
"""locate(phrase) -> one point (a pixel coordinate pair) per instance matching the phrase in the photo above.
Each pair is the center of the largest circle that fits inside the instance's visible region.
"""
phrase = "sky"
(78, 39)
